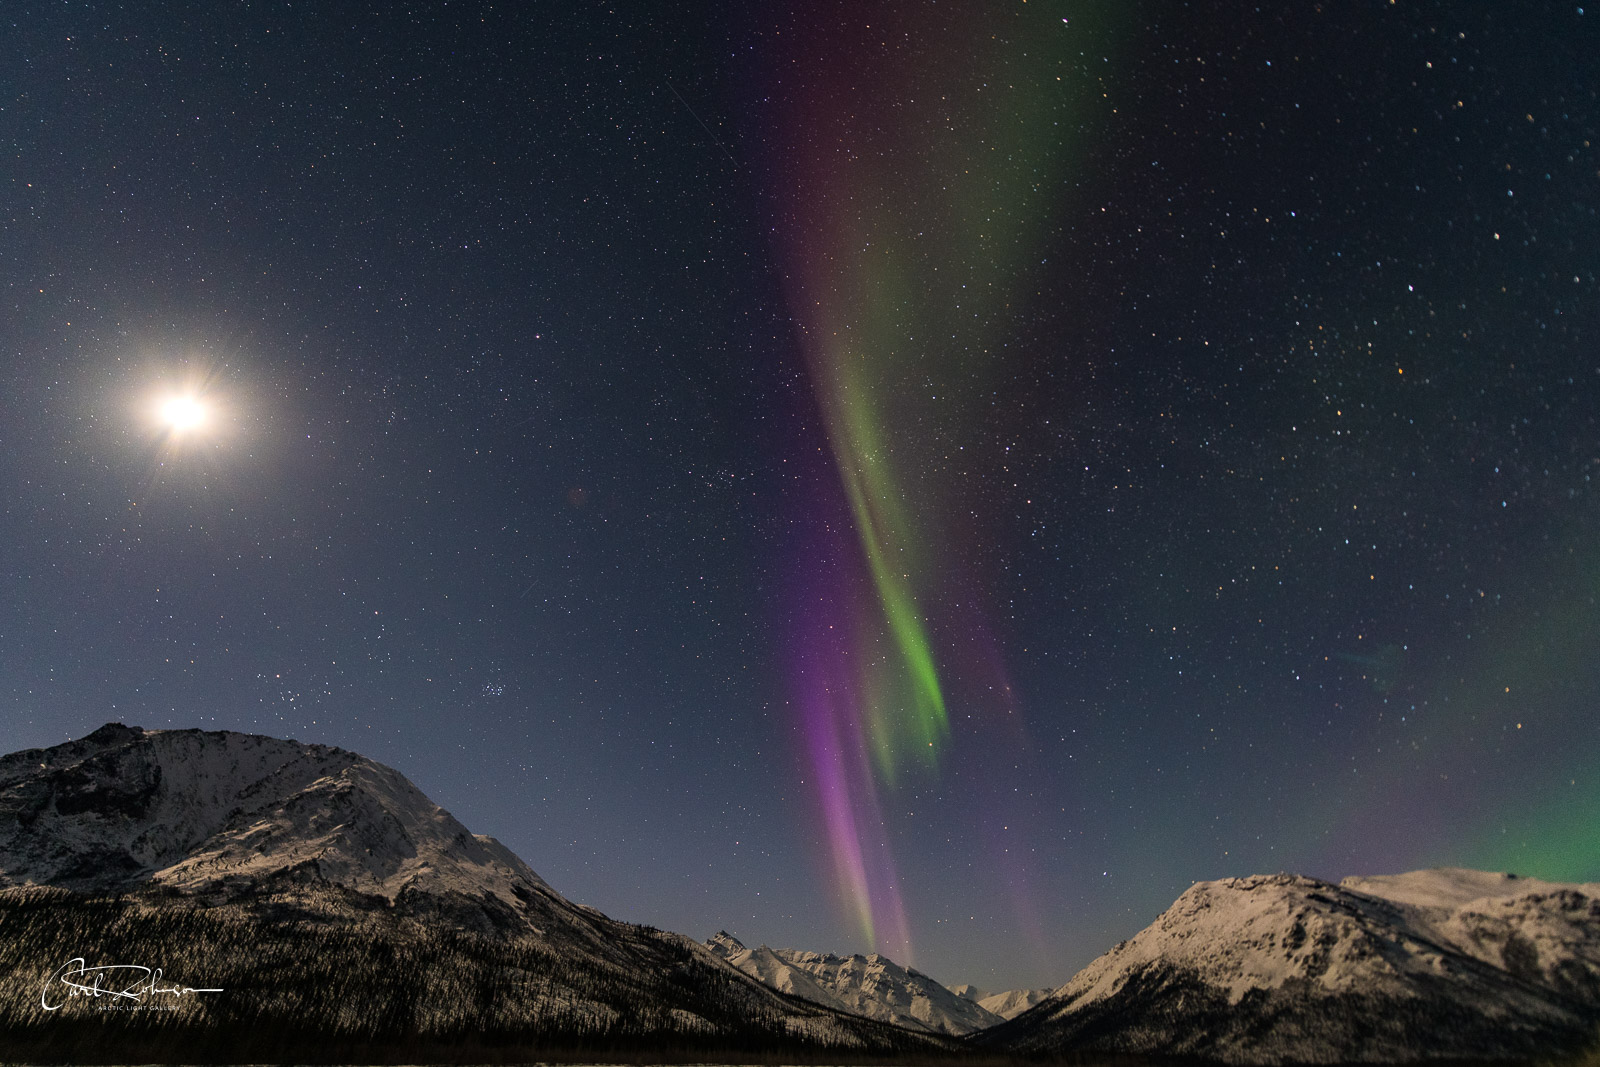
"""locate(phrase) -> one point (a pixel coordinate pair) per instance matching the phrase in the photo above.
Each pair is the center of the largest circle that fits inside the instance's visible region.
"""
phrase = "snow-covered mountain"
(1268, 969)
(1007, 1005)
(874, 986)
(343, 914)
(206, 812)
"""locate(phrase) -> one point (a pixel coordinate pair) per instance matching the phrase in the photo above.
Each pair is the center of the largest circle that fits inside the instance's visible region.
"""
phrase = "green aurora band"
(927, 152)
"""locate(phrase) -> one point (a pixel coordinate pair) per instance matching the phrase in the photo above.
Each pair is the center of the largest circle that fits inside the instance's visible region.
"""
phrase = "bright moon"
(183, 413)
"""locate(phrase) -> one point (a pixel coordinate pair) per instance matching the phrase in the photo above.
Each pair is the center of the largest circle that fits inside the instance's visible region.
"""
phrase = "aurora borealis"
(924, 477)
(908, 187)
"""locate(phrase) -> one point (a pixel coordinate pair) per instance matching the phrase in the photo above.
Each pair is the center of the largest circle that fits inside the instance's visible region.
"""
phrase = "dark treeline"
(318, 974)
(322, 975)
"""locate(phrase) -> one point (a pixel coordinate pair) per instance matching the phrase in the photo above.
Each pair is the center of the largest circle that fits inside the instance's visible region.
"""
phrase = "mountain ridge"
(343, 916)
(871, 985)
(1283, 968)
(243, 807)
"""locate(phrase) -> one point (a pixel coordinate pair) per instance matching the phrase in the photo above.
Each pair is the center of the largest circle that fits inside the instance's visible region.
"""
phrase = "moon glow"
(183, 414)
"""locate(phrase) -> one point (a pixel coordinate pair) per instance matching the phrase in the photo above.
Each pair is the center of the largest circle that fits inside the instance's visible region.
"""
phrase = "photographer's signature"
(122, 982)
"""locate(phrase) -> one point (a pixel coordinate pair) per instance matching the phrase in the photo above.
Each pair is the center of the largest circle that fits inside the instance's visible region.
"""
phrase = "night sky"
(933, 477)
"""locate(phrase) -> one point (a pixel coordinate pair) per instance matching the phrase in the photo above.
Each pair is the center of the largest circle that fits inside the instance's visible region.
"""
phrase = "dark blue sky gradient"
(1297, 559)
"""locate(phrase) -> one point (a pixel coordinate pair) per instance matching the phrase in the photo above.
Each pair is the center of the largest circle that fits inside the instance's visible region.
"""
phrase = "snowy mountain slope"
(340, 909)
(768, 967)
(874, 986)
(1007, 1005)
(1280, 968)
(1010, 1004)
(1545, 933)
(205, 811)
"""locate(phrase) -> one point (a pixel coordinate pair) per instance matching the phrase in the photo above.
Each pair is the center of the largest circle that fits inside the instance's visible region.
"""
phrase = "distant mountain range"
(1007, 1005)
(341, 916)
(874, 986)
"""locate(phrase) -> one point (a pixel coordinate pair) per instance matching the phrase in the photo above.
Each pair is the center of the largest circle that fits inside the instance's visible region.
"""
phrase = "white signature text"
(120, 981)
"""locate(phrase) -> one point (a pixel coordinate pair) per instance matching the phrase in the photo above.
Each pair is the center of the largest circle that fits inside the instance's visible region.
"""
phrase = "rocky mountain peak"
(1274, 968)
(206, 811)
(725, 944)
